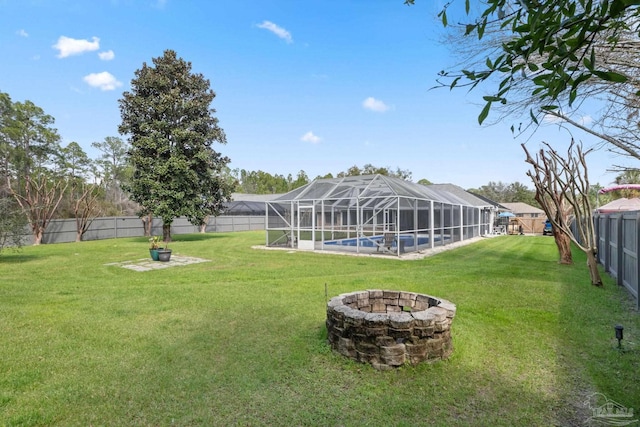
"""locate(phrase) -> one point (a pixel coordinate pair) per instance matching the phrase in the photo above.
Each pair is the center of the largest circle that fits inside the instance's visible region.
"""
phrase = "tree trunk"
(594, 273)
(563, 242)
(203, 226)
(166, 232)
(147, 224)
(79, 236)
(38, 232)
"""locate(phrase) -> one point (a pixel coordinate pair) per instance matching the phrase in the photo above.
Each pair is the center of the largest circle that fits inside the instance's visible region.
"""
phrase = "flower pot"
(164, 255)
(154, 254)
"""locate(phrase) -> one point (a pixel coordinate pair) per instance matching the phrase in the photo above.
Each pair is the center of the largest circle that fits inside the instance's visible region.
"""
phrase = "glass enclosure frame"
(371, 214)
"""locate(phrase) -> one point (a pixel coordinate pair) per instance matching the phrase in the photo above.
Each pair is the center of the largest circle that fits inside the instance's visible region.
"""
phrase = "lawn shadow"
(17, 258)
(587, 345)
(197, 237)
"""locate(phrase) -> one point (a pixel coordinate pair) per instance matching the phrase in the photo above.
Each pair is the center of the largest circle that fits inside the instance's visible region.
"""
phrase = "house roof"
(245, 197)
(369, 186)
(620, 205)
(488, 200)
(522, 208)
(470, 198)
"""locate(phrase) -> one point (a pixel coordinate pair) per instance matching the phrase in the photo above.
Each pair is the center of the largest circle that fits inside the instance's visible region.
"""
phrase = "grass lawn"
(240, 340)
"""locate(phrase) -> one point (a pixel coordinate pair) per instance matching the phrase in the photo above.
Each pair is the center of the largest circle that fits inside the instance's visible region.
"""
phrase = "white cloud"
(278, 31)
(68, 46)
(586, 120)
(310, 137)
(103, 80)
(550, 118)
(374, 105)
(553, 119)
(22, 33)
(107, 55)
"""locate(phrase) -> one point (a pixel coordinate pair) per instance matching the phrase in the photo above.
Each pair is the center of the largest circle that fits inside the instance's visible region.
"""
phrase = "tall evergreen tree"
(171, 128)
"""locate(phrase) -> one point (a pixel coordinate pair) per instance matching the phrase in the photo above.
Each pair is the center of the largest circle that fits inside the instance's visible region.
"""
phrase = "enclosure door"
(306, 227)
(389, 219)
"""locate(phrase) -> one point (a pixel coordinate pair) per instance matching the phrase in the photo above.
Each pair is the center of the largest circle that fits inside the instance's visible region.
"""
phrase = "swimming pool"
(376, 241)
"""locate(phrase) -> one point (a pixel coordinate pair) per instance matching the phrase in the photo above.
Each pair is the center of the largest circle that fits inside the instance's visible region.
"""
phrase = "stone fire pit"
(390, 328)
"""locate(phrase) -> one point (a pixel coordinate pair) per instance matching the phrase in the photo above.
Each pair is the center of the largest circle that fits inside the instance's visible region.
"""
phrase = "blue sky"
(314, 85)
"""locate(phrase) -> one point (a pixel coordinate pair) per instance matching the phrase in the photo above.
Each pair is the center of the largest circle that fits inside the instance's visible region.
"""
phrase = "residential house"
(529, 217)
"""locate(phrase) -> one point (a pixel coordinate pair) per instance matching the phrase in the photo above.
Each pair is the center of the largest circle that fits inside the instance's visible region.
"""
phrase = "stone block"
(375, 332)
(423, 300)
(439, 313)
(363, 303)
(434, 347)
(390, 301)
(407, 295)
(450, 307)
(423, 331)
(334, 302)
(416, 349)
(423, 318)
(441, 326)
(419, 306)
(378, 307)
(393, 308)
(397, 360)
(392, 350)
(401, 320)
(349, 298)
(346, 347)
(400, 333)
(375, 293)
(355, 318)
(385, 341)
(375, 319)
(367, 348)
(391, 294)
(342, 309)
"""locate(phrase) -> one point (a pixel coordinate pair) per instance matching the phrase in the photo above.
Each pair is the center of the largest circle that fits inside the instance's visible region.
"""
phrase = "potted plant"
(154, 246)
(164, 254)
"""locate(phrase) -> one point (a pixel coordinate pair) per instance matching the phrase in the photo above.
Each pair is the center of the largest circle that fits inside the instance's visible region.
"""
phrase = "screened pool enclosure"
(371, 214)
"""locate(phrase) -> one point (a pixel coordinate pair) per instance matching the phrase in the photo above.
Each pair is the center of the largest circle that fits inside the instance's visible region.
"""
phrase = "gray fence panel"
(64, 230)
(629, 277)
(618, 248)
(612, 249)
(601, 228)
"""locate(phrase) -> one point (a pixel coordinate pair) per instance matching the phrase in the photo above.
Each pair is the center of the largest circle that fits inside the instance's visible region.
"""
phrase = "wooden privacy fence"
(618, 243)
(64, 230)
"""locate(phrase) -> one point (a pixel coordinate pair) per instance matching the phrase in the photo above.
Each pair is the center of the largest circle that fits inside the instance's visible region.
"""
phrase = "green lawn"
(240, 340)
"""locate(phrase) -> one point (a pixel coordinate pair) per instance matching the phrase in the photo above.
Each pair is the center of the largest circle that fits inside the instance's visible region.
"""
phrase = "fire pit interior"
(390, 328)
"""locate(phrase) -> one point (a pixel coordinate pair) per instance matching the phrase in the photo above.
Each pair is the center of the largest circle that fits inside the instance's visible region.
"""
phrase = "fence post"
(620, 253)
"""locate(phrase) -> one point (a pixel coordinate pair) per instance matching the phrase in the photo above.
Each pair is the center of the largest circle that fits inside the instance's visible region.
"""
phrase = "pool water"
(376, 241)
